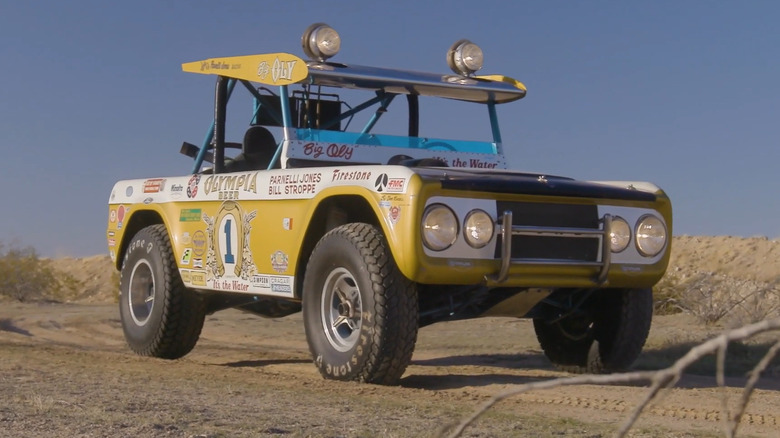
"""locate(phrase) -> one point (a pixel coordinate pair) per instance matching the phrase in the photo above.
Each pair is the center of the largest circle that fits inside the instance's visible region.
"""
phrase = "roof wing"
(269, 69)
(484, 89)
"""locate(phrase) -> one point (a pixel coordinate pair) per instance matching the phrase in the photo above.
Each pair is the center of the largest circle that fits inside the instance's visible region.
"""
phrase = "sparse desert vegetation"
(65, 370)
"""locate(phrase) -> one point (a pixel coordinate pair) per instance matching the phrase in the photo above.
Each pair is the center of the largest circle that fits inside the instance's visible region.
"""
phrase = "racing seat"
(257, 151)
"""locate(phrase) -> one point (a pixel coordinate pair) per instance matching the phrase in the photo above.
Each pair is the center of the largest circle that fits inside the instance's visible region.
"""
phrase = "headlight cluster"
(649, 232)
(440, 228)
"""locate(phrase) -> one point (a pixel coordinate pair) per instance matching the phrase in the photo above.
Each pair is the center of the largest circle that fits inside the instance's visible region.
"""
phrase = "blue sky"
(685, 94)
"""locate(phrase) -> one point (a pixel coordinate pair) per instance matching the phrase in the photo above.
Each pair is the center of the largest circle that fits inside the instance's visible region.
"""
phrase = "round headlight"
(439, 227)
(320, 41)
(650, 236)
(478, 228)
(464, 57)
(619, 234)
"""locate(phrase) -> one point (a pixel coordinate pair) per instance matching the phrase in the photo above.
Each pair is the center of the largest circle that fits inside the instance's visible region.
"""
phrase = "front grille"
(547, 232)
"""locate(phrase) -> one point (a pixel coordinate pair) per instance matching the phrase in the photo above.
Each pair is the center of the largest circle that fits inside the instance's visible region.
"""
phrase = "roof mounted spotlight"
(464, 57)
(320, 42)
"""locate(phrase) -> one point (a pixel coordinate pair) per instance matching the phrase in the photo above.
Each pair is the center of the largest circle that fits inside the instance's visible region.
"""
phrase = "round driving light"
(650, 236)
(439, 227)
(464, 57)
(320, 41)
(619, 234)
(478, 228)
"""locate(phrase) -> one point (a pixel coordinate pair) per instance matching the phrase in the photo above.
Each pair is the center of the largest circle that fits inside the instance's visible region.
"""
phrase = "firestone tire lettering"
(160, 317)
(359, 311)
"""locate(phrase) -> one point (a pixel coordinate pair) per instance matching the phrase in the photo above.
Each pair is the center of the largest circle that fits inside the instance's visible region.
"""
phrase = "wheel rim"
(342, 310)
(140, 295)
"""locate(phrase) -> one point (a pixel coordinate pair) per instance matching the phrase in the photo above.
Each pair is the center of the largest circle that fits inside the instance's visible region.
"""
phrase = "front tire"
(607, 337)
(160, 317)
(360, 313)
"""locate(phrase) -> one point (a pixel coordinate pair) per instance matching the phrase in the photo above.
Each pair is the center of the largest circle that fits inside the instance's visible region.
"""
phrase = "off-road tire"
(609, 340)
(160, 317)
(360, 313)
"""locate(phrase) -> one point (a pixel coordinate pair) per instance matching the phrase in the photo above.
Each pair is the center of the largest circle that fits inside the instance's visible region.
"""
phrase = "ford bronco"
(374, 233)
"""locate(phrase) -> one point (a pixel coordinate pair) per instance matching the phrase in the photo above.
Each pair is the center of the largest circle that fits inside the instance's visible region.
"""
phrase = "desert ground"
(65, 370)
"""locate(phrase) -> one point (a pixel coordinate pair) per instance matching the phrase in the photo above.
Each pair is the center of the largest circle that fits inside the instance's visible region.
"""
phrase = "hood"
(531, 184)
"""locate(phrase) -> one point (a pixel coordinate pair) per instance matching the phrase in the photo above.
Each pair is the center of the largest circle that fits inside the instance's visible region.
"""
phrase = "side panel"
(242, 232)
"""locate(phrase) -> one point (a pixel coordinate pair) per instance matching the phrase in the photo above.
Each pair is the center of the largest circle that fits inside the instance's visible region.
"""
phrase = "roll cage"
(310, 114)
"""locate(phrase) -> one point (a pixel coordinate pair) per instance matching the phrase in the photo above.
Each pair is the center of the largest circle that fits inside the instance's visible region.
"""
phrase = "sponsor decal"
(155, 185)
(294, 184)
(120, 216)
(474, 163)
(228, 251)
(281, 288)
(459, 263)
(287, 223)
(110, 234)
(333, 150)
(192, 186)
(112, 215)
(394, 213)
(384, 183)
(233, 285)
(279, 70)
(279, 261)
(281, 285)
(112, 254)
(216, 65)
(113, 195)
(396, 185)
(199, 243)
(185, 276)
(185, 238)
(198, 278)
(111, 242)
(229, 186)
(197, 262)
(352, 175)
(261, 280)
(186, 256)
(176, 190)
(129, 191)
(381, 182)
(190, 215)
(148, 201)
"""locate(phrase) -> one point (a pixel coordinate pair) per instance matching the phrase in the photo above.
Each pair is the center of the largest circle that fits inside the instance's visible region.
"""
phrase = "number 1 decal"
(228, 246)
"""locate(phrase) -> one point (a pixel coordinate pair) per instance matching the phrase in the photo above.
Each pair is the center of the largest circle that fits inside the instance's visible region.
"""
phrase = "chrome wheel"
(141, 292)
(342, 309)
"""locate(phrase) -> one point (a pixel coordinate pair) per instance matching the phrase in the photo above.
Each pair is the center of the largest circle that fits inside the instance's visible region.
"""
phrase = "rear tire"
(608, 338)
(160, 317)
(360, 312)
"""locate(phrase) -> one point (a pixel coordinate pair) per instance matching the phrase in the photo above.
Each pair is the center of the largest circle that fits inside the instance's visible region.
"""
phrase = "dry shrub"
(717, 298)
(26, 277)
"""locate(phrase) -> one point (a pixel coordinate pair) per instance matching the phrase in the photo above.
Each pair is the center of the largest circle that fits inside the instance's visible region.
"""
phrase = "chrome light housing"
(320, 42)
(439, 227)
(464, 58)
(650, 235)
(478, 228)
(619, 234)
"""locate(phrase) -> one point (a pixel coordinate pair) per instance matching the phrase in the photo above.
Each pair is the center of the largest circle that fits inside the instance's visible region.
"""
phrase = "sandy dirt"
(65, 371)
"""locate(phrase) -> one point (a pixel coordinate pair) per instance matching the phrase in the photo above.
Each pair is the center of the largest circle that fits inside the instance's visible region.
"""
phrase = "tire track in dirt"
(679, 412)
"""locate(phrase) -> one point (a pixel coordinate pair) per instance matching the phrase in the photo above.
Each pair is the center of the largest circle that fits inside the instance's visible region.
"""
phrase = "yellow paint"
(270, 240)
(270, 69)
(506, 79)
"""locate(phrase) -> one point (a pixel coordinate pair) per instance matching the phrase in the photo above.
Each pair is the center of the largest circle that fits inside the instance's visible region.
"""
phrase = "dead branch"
(660, 379)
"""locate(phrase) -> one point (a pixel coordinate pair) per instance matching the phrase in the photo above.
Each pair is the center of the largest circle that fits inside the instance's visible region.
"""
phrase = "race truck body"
(372, 234)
